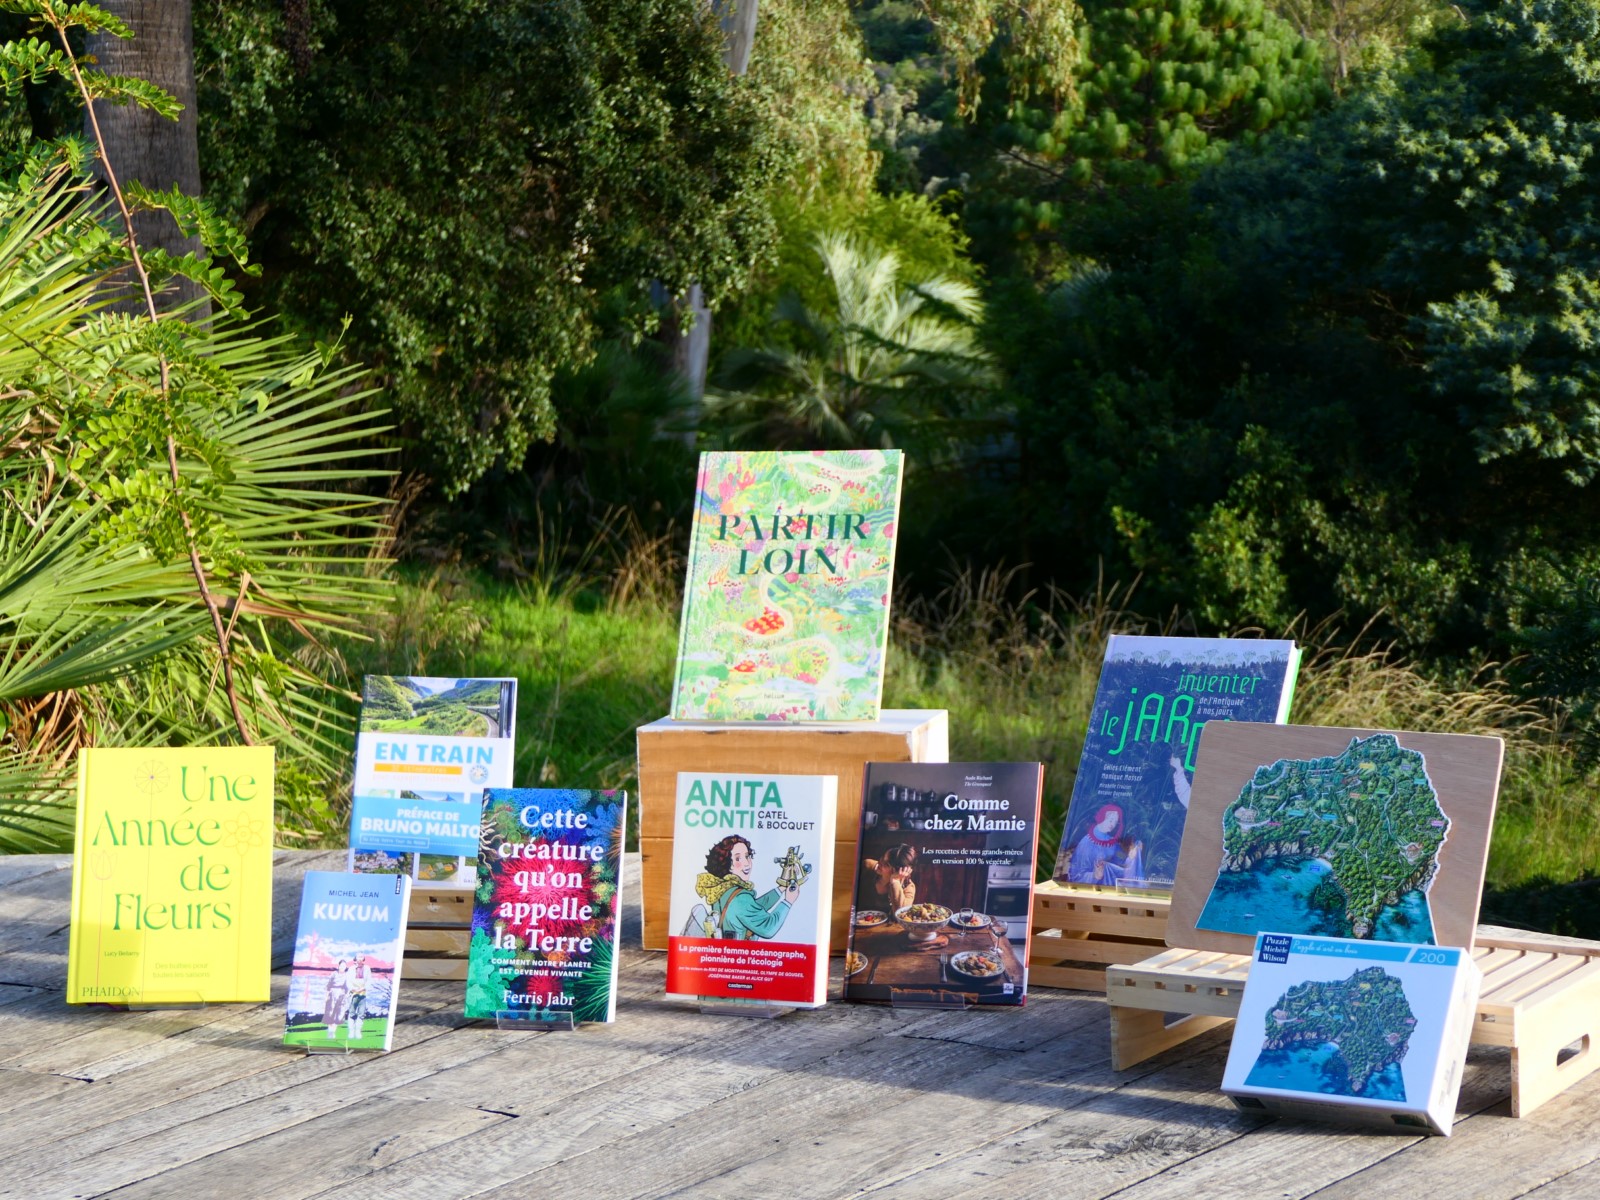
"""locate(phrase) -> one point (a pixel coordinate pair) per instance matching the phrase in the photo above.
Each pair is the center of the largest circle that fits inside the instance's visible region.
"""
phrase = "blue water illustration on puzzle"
(1280, 895)
(1321, 1069)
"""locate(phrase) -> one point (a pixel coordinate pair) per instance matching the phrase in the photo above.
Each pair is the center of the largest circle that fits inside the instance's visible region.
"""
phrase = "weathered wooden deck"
(843, 1101)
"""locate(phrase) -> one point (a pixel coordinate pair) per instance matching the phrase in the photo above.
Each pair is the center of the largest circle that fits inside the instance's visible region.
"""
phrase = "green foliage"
(925, 238)
(99, 616)
(886, 363)
(1558, 629)
(127, 89)
(1358, 34)
(1036, 46)
(470, 180)
(1159, 89)
(1292, 385)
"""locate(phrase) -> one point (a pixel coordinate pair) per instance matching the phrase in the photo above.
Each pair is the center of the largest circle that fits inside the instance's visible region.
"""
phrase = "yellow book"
(172, 876)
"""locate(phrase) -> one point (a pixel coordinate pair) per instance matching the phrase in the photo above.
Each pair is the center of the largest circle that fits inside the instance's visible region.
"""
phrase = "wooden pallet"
(438, 931)
(1079, 932)
(1539, 998)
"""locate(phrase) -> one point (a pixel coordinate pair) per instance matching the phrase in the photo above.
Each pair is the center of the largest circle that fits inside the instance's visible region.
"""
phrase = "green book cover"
(786, 606)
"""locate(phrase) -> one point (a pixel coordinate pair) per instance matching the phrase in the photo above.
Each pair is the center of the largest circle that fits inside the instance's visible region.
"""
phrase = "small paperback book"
(347, 950)
(426, 748)
(172, 876)
(752, 888)
(1130, 799)
(944, 884)
(546, 913)
(1374, 1033)
(786, 607)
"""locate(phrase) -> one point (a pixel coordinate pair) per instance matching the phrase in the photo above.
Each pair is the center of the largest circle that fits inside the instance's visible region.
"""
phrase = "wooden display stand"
(667, 747)
(1539, 998)
(1078, 932)
(438, 932)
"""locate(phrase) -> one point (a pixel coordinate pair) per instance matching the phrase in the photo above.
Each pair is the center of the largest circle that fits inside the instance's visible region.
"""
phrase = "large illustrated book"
(1369, 834)
(347, 950)
(172, 876)
(752, 888)
(944, 883)
(1125, 822)
(1362, 1032)
(426, 747)
(786, 606)
(546, 912)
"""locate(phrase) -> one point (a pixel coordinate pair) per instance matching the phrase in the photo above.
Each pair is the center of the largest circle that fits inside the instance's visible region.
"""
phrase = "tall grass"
(594, 653)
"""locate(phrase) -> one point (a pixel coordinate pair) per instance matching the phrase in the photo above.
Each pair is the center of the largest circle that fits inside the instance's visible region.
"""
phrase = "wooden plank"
(437, 941)
(211, 1060)
(1581, 1184)
(300, 1161)
(668, 747)
(1051, 948)
(1281, 1159)
(420, 967)
(15, 868)
(1463, 768)
(1054, 975)
(155, 1140)
(1084, 910)
(36, 908)
(21, 1089)
(728, 1059)
(1488, 1158)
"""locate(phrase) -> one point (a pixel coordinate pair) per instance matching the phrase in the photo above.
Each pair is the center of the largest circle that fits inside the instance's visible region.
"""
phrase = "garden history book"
(786, 605)
(752, 888)
(1130, 799)
(426, 748)
(347, 950)
(944, 884)
(172, 876)
(547, 910)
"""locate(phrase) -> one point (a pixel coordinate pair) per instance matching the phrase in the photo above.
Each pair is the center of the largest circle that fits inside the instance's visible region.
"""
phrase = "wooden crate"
(667, 747)
(1078, 932)
(1540, 997)
(438, 930)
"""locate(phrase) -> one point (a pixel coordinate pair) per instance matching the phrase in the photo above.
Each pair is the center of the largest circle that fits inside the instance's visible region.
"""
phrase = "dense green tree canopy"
(1146, 94)
(466, 180)
(1355, 367)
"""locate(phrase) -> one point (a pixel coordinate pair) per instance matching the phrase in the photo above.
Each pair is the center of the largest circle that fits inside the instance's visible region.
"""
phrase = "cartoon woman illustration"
(1105, 853)
(726, 888)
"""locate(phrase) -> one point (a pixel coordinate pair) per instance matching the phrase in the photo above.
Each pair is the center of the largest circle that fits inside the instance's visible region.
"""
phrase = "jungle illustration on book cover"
(786, 606)
(545, 915)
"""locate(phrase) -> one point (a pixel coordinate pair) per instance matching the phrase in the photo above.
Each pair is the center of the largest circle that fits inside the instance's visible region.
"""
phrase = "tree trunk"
(146, 147)
(686, 321)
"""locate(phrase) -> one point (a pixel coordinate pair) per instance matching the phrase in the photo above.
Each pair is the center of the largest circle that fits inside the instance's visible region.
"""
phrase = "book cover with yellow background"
(172, 876)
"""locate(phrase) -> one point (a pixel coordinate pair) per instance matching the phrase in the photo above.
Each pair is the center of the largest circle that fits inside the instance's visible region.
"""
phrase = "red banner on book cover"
(741, 969)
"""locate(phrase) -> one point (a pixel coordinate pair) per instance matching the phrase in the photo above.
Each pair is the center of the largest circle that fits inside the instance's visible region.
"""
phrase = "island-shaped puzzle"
(1335, 846)
(1365, 1021)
